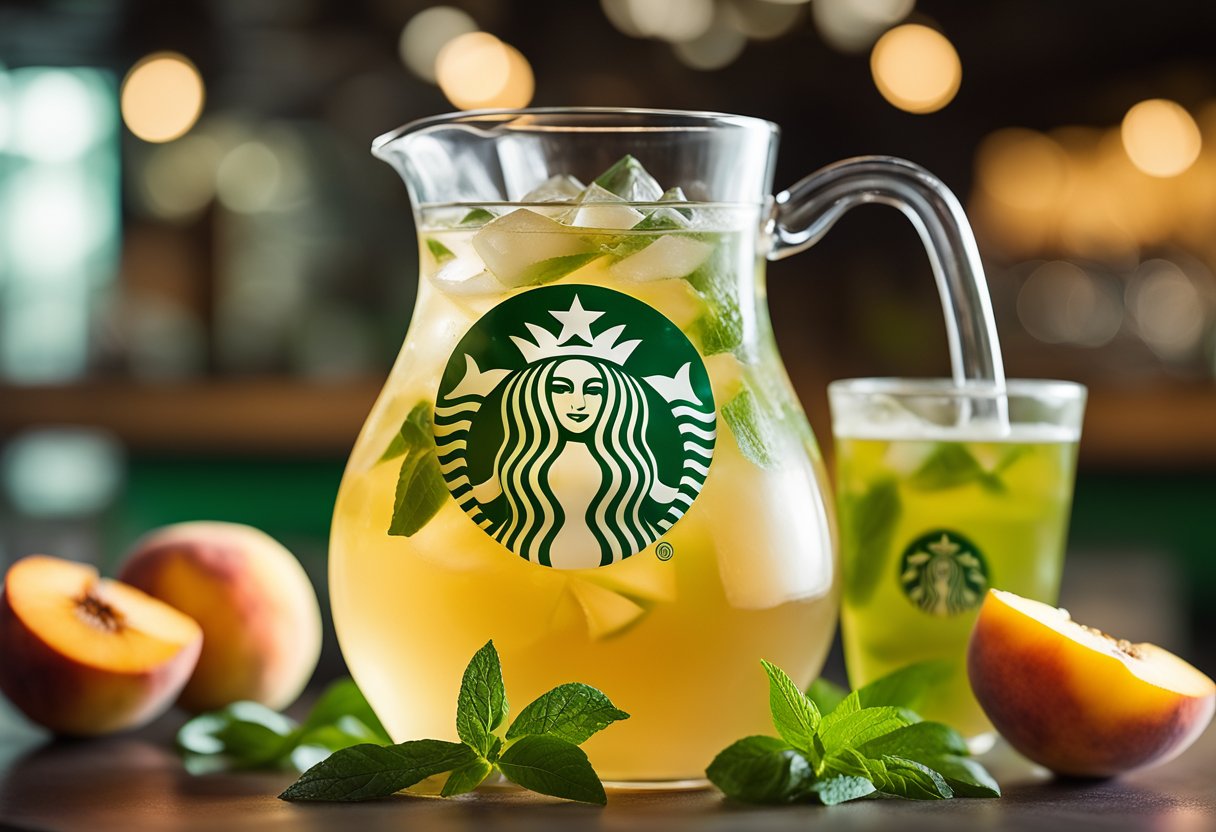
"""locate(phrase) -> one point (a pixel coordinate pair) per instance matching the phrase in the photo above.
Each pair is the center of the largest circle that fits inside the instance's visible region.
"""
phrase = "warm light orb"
(162, 97)
(916, 68)
(1160, 137)
(477, 70)
(1022, 169)
(427, 32)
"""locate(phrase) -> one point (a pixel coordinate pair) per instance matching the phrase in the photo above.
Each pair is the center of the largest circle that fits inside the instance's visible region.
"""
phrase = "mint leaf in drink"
(468, 777)
(952, 465)
(438, 250)
(365, 772)
(482, 704)
(906, 687)
(794, 715)
(867, 531)
(555, 268)
(826, 695)
(750, 424)
(553, 766)
(942, 749)
(720, 329)
(421, 492)
(762, 770)
(414, 434)
(476, 218)
(630, 181)
(572, 712)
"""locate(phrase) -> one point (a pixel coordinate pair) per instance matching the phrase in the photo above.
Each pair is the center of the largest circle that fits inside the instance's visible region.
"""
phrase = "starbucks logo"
(575, 425)
(943, 573)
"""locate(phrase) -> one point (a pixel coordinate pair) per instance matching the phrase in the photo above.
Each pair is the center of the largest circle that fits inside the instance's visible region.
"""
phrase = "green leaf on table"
(842, 788)
(891, 775)
(826, 695)
(859, 727)
(795, 717)
(240, 735)
(365, 772)
(341, 701)
(550, 765)
(942, 749)
(482, 704)
(467, 777)
(751, 426)
(867, 532)
(438, 250)
(906, 687)
(761, 770)
(573, 712)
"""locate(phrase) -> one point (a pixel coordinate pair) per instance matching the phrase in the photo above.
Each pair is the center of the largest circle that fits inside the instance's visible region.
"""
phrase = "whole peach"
(258, 610)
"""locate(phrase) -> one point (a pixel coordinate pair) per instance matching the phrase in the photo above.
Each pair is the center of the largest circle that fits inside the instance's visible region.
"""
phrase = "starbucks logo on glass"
(575, 425)
(943, 573)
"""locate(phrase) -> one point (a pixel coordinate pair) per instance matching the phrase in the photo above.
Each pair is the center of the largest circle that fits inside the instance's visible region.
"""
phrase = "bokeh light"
(1023, 169)
(177, 181)
(477, 70)
(713, 50)
(162, 97)
(248, 178)
(427, 33)
(1061, 303)
(1160, 137)
(672, 20)
(852, 25)
(1168, 309)
(58, 115)
(916, 68)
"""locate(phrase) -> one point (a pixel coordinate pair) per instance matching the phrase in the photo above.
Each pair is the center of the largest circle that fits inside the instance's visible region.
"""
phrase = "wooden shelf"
(1171, 427)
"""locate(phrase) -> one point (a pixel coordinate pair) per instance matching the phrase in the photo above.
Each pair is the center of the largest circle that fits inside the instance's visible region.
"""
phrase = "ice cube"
(466, 278)
(516, 247)
(630, 181)
(600, 208)
(559, 188)
(668, 256)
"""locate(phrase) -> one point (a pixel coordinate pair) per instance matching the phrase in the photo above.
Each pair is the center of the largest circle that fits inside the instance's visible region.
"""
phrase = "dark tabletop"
(135, 783)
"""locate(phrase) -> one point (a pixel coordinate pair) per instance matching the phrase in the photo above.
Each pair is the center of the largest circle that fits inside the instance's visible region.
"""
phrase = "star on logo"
(945, 546)
(576, 322)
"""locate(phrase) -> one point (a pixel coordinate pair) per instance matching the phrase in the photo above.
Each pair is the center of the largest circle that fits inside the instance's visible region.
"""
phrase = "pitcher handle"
(802, 214)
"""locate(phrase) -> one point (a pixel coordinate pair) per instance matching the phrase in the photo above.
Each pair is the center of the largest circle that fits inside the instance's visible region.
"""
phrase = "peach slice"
(1076, 700)
(82, 655)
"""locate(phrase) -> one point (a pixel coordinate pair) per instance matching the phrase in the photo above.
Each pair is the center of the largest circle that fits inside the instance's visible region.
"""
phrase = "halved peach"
(1076, 700)
(82, 655)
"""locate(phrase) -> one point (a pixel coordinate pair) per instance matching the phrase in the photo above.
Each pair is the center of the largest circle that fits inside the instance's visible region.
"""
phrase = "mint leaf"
(415, 433)
(751, 427)
(842, 788)
(421, 492)
(942, 749)
(572, 712)
(630, 181)
(552, 766)
(438, 250)
(340, 702)
(795, 717)
(482, 704)
(761, 770)
(867, 531)
(826, 694)
(365, 772)
(243, 734)
(467, 777)
(547, 271)
(477, 216)
(891, 775)
(906, 687)
(859, 727)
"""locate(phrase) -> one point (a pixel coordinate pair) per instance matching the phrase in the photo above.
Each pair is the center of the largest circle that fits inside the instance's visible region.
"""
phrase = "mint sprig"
(248, 735)
(420, 491)
(540, 750)
(868, 743)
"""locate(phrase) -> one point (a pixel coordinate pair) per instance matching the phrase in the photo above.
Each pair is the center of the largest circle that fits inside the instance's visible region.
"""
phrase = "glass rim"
(947, 388)
(664, 121)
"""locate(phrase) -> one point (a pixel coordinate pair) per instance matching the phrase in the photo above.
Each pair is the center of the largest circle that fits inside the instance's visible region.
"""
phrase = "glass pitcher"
(588, 449)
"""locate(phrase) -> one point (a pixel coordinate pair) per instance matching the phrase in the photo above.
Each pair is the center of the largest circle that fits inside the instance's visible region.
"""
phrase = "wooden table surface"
(135, 783)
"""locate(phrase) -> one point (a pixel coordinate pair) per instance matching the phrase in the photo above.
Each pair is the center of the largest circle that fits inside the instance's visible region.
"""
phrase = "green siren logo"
(575, 425)
(943, 573)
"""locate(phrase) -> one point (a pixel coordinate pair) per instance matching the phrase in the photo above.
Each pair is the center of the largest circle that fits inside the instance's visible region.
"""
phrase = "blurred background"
(204, 276)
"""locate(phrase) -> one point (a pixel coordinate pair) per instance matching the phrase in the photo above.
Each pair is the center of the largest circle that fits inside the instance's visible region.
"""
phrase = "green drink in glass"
(944, 492)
